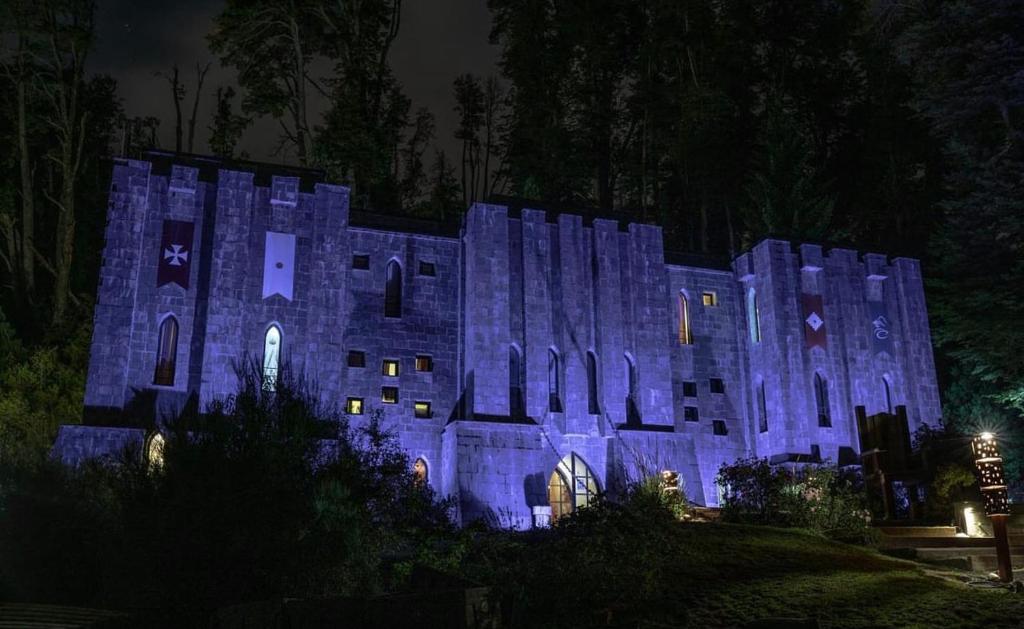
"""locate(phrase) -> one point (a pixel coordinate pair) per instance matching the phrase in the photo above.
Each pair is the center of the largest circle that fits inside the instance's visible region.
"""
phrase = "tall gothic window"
(762, 408)
(554, 382)
(393, 290)
(632, 410)
(593, 399)
(685, 333)
(271, 357)
(753, 316)
(821, 401)
(167, 352)
(515, 382)
(888, 395)
(419, 472)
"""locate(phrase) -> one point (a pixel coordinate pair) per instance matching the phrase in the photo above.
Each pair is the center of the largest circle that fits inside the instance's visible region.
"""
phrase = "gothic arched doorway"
(571, 486)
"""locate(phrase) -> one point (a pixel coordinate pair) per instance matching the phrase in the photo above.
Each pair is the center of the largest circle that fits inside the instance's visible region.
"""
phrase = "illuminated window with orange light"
(390, 367)
(422, 410)
(709, 298)
(354, 406)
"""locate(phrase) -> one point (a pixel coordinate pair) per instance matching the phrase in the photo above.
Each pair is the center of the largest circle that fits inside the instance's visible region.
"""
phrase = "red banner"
(814, 321)
(175, 254)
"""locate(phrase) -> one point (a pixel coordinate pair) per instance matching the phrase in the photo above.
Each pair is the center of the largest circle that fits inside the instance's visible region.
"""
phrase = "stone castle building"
(527, 360)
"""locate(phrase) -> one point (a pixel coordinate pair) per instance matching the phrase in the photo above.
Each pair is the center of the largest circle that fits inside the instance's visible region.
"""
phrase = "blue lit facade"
(529, 360)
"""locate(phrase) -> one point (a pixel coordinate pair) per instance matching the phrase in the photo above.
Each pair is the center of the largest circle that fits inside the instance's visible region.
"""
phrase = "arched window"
(685, 333)
(821, 401)
(888, 395)
(515, 382)
(554, 382)
(393, 290)
(753, 316)
(762, 408)
(571, 486)
(166, 352)
(632, 409)
(593, 399)
(419, 472)
(271, 357)
(155, 451)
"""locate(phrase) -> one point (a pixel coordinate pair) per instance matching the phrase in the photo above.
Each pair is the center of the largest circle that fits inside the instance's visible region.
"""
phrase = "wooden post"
(993, 491)
(1002, 547)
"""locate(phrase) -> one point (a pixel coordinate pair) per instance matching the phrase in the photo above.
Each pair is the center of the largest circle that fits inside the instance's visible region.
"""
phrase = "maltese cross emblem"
(177, 254)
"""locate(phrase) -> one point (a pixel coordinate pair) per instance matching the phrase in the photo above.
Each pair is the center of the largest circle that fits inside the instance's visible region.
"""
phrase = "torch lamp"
(993, 493)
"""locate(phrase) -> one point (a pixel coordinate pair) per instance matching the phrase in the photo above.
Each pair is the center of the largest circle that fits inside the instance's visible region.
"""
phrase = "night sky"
(438, 40)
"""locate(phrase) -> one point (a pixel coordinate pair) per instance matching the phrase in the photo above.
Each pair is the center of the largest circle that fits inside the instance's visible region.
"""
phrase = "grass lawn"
(730, 573)
(724, 575)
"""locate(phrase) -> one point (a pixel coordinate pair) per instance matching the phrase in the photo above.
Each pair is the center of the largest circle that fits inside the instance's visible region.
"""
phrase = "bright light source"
(987, 436)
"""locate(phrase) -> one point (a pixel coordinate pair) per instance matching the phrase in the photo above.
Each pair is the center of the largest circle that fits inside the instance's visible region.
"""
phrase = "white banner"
(279, 265)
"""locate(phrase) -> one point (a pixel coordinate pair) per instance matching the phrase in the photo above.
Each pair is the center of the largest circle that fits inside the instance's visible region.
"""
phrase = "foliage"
(40, 389)
(249, 503)
(227, 127)
(819, 498)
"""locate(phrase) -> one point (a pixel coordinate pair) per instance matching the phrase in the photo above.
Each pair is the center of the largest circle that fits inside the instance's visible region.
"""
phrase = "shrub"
(819, 498)
(266, 495)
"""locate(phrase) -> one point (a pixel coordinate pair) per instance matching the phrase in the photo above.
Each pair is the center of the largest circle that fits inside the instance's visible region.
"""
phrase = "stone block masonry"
(528, 360)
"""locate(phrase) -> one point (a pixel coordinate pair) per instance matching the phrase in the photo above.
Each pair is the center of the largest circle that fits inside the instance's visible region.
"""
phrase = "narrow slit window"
(685, 333)
(554, 382)
(821, 401)
(888, 395)
(762, 409)
(393, 291)
(167, 352)
(632, 407)
(593, 396)
(753, 316)
(515, 382)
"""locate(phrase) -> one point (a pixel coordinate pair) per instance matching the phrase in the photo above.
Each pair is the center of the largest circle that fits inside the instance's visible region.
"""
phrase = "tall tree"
(173, 79)
(201, 71)
(469, 105)
(966, 60)
(271, 44)
(227, 127)
(369, 113)
(67, 29)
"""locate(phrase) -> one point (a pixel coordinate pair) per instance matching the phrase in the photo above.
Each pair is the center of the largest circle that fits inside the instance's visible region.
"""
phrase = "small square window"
(427, 268)
(422, 410)
(717, 386)
(389, 395)
(390, 367)
(354, 406)
(424, 363)
(361, 262)
(691, 414)
(709, 298)
(356, 359)
(718, 427)
(690, 389)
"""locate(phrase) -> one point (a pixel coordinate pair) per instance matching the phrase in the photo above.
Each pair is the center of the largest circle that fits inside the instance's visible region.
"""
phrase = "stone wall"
(548, 289)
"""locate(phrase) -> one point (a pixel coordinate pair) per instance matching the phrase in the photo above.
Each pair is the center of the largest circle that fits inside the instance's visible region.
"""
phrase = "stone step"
(918, 531)
(974, 559)
(890, 541)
